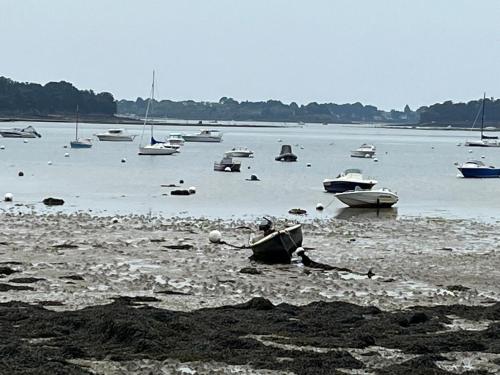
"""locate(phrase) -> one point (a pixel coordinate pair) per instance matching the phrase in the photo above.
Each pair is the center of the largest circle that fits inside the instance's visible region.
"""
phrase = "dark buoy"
(181, 181)
(248, 167)
(20, 174)
(53, 201)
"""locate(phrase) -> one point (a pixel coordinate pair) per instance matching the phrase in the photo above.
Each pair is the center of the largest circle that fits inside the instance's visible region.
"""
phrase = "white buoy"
(124, 160)
(8, 197)
(49, 162)
(279, 140)
(482, 156)
(214, 236)
(2, 147)
(320, 207)
(375, 160)
(192, 190)
(227, 169)
(25, 141)
(66, 155)
(470, 151)
(308, 164)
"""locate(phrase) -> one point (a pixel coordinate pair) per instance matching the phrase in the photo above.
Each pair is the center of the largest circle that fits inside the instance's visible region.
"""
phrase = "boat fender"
(227, 169)
(9, 197)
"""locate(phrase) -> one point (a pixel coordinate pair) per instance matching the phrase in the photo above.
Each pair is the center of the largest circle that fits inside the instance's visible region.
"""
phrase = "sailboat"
(154, 147)
(80, 142)
(485, 141)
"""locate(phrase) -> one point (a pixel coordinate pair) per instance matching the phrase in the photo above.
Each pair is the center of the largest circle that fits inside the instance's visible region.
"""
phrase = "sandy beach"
(69, 262)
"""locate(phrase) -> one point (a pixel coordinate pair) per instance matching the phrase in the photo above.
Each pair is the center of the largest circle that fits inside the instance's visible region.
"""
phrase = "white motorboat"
(175, 139)
(205, 135)
(368, 198)
(154, 147)
(27, 132)
(239, 152)
(80, 142)
(350, 179)
(364, 151)
(116, 135)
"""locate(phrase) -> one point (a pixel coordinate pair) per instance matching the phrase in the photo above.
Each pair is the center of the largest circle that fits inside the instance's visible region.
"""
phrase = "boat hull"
(197, 138)
(239, 154)
(362, 154)
(80, 144)
(342, 186)
(480, 172)
(148, 150)
(482, 144)
(222, 167)
(368, 198)
(278, 246)
(113, 138)
(286, 157)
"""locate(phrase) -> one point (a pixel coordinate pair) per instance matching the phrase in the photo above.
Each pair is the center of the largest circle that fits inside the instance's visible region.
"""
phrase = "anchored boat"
(350, 179)
(378, 198)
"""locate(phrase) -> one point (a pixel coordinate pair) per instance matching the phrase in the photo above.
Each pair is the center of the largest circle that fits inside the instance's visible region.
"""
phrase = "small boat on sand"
(240, 152)
(286, 154)
(276, 246)
(377, 198)
(27, 132)
(477, 169)
(227, 164)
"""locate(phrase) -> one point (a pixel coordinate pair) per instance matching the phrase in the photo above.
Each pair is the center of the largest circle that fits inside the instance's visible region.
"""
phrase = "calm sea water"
(417, 164)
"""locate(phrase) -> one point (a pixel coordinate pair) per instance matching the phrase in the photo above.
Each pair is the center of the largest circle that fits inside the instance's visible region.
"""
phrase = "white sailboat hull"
(156, 149)
(200, 138)
(115, 138)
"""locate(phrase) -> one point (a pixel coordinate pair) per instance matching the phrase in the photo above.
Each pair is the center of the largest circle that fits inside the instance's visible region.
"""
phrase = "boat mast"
(152, 98)
(482, 116)
(76, 127)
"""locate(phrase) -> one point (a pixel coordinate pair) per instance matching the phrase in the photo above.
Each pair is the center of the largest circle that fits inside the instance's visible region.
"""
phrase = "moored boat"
(276, 246)
(368, 198)
(350, 179)
(286, 154)
(477, 169)
(115, 135)
(79, 142)
(227, 164)
(205, 135)
(27, 132)
(175, 139)
(364, 151)
(485, 140)
(240, 152)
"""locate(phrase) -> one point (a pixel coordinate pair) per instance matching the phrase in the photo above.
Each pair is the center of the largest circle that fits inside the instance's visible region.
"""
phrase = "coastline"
(64, 263)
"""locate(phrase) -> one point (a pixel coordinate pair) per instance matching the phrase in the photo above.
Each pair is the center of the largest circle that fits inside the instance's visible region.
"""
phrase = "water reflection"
(348, 213)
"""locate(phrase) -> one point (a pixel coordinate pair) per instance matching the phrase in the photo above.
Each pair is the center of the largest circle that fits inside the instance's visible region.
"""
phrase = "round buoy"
(308, 164)
(65, 146)
(470, 151)
(124, 160)
(368, 156)
(8, 197)
(375, 160)
(248, 167)
(254, 178)
(215, 236)
(25, 141)
(2, 147)
(482, 156)
(20, 174)
(279, 140)
(181, 181)
(192, 190)
(320, 207)
(49, 162)
(227, 169)
(66, 155)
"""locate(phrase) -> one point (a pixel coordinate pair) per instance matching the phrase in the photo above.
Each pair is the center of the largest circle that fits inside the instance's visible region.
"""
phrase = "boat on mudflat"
(350, 179)
(377, 198)
(27, 132)
(477, 169)
(276, 246)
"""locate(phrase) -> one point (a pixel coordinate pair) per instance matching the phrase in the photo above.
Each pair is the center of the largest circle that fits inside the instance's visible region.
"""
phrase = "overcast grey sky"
(387, 53)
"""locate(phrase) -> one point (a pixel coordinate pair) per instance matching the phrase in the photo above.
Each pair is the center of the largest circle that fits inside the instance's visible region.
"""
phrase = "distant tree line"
(17, 98)
(271, 110)
(456, 114)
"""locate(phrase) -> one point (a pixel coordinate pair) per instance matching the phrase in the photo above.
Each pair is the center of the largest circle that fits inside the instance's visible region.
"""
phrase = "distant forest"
(271, 110)
(54, 98)
(461, 114)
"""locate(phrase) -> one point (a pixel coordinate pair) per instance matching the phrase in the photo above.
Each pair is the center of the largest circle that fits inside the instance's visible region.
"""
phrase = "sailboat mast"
(152, 99)
(76, 126)
(482, 116)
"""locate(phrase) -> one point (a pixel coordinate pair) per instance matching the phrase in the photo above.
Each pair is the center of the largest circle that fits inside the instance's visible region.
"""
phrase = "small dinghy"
(286, 154)
(276, 246)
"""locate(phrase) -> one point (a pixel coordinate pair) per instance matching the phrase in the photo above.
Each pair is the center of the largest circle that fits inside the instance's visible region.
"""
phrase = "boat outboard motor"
(266, 226)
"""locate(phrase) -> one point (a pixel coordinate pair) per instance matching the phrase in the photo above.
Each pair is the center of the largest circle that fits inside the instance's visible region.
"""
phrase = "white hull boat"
(350, 179)
(364, 151)
(204, 136)
(175, 139)
(368, 198)
(80, 142)
(116, 135)
(239, 153)
(157, 149)
(28, 132)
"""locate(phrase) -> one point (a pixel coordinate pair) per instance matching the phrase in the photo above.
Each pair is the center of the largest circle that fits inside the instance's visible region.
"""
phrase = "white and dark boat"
(227, 164)
(154, 147)
(377, 198)
(240, 152)
(485, 140)
(27, 132)
(204, 135)
(286, 154)
(175, 139)
(276, 246)
(80, 142)
(364, 151)
(115, 135)
(477, 169)
(350, 179)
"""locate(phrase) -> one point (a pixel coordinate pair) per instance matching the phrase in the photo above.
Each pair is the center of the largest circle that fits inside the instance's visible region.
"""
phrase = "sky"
(386, 53)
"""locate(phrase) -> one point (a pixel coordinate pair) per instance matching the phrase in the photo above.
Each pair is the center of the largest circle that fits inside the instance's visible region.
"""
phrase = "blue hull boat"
(477, 169)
